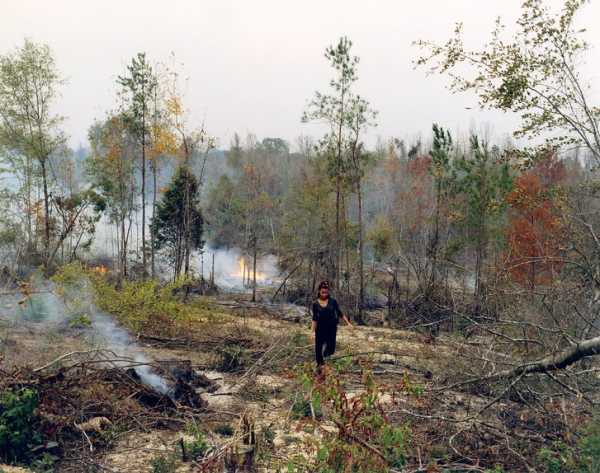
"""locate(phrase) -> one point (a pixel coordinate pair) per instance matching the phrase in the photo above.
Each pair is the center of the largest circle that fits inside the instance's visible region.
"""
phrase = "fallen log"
(552, 362)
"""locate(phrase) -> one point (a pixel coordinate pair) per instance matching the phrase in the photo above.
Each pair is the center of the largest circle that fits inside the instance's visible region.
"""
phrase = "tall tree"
(29, 82)
(138, 90)
(163, 143)
(194, 145)
(536, 234)
(111, 167)
(534, 72)
(483, 179)
(178, 224)
(332, 108)
(360, 116)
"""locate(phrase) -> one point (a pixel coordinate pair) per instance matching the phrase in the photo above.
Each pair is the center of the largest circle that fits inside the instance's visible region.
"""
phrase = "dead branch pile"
(88, 400)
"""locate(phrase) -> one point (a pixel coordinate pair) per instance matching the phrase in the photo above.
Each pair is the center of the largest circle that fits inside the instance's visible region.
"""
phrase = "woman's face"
(324, 293)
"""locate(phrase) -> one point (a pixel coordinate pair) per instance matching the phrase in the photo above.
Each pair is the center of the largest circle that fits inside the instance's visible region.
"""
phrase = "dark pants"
(324, 343)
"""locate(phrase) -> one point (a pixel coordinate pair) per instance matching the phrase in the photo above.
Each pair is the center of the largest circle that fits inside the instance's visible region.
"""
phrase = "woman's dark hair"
(323, 285)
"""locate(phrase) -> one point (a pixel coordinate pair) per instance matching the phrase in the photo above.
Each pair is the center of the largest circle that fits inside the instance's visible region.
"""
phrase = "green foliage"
(198, 446)
(584, 457)
(163, 464)
(360, 420)
(80, 321)
(496, 469)
(178, 224)
(27, 126)
(532, 71)
(589, 446)
(138, 86)
(18, 432)
(225, 211)
(137, 304)
(301, 408)
(233, 357)
(45, 464)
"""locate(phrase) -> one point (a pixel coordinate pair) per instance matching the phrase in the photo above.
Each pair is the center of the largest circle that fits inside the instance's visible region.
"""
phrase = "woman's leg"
(330, 343)
(319, 342)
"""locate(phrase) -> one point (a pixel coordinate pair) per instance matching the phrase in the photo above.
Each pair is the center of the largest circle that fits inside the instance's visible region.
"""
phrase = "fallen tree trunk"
(556, 361)
(552, 362)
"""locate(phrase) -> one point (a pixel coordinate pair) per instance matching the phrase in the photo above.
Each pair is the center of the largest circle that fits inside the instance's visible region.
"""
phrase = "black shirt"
(328, 316)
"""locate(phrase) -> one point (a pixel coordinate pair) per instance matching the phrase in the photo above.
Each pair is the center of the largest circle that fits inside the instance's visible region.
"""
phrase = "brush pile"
(84, 401)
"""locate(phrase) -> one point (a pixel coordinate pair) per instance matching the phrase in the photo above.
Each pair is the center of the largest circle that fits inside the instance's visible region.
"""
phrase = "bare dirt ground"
(262, 385)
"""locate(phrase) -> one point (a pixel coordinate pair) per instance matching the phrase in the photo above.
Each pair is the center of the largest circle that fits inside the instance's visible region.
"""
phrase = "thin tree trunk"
(212, 271)
(154, 190)
(338, 186)
(254, 270)
(361, 275)
(123, 248)
(46, 210)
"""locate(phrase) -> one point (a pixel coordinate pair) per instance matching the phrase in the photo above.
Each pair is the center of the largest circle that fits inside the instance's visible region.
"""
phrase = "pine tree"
(169, 224)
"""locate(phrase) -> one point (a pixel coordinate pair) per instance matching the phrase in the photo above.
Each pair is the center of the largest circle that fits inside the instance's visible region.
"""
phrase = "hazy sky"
(253, 64)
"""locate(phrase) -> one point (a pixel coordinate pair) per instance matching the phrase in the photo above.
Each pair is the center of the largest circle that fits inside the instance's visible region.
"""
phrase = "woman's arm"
(342, 315)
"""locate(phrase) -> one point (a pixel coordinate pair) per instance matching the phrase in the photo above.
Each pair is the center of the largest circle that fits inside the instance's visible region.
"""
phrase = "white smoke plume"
(46, 307)
(229, 264)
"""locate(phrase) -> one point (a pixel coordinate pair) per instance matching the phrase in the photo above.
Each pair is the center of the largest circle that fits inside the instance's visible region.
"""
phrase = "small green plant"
(44, 464)
(583, 457)
(197, 447)
(589, 446)
(557, 459)
(80, 321)
(233, 358)
(365, 441)
(17, 424)
(163, 464)
(496, 469)
(301, 408)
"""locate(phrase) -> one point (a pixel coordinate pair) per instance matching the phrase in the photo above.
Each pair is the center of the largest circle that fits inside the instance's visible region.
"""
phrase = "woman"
(326, 314)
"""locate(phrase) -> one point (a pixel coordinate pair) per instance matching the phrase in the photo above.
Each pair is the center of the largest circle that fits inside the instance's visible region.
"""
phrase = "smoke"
(118, 340)
(229, 264)
(51, 308)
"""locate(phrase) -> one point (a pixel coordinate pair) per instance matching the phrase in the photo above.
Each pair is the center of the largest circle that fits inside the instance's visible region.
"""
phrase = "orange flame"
(245, 270)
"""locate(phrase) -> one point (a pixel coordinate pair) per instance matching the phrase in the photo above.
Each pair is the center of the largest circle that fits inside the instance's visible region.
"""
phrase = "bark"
(361, 295)
(46, 211)
(555, 361)
(154, 185)
(254, 270)
(144, 190)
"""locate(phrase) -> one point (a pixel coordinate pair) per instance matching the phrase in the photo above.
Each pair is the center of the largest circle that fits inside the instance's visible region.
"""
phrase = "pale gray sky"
(253, 64)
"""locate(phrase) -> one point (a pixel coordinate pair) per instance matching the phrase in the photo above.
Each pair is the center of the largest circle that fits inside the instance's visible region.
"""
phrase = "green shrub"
(197, 447)
(589, 446)
(360, 418)
(233, 358)
(301, 408)
(584, 457)
(163, 464)
(80, 321)
(44, 464)
(137, 304)
(17, 424)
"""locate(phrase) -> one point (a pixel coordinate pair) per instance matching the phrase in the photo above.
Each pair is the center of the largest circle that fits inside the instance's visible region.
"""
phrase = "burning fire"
(100, 269)
(244, 271)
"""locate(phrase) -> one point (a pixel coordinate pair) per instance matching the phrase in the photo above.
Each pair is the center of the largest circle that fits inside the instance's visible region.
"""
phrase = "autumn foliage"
(536, 234)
